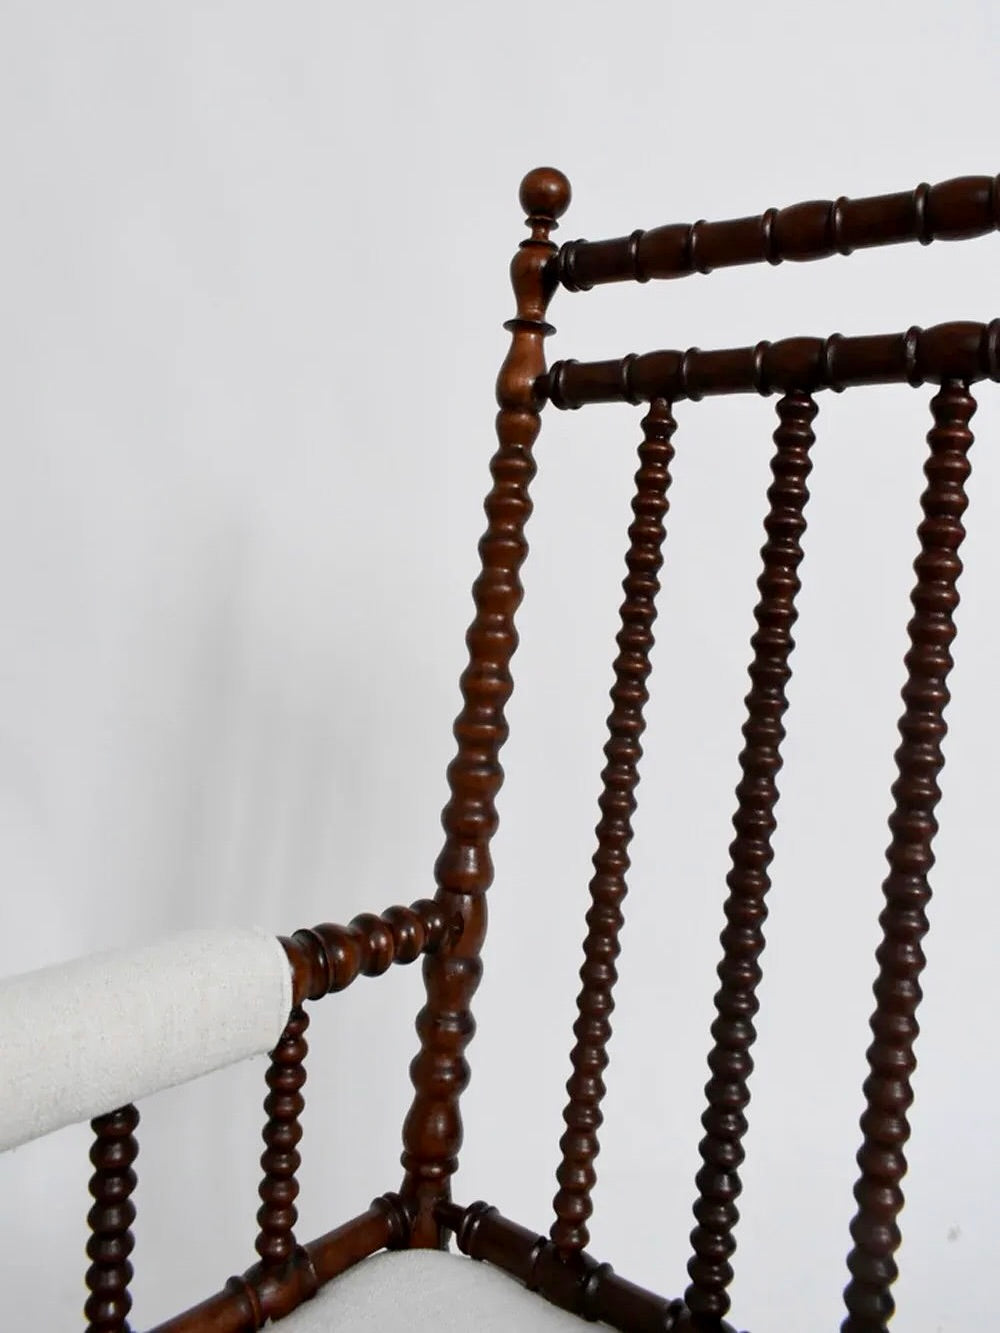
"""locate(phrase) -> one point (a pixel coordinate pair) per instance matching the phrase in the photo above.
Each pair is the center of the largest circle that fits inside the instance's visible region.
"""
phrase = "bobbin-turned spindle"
(432, 1133)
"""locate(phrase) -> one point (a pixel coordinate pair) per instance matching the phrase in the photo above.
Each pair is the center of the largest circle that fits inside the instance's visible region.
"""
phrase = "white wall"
(253, 272)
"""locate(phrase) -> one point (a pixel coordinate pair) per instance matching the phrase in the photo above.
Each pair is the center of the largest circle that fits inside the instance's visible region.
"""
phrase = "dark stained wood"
(592, 1029)
(736, 1001)
(274, 1291)
(328, 958)
(962, 350)
(919, 759)
(385, 1226)
(246, 1302)
(283, 1105)
(579, 1284)
(432, 1133)
(110, 1219)
(952, 210)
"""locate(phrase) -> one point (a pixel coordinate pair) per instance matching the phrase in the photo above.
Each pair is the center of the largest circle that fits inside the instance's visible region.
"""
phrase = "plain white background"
(253, 273)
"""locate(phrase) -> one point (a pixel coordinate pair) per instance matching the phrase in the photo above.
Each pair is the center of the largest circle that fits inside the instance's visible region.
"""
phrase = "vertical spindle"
(579, 1144)
(733, 1032)
(888, 1089)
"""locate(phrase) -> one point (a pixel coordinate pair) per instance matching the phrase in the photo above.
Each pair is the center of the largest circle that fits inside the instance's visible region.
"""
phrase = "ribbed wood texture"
(592, 1290)
(888, 1090)
(110, 1219)
(736, 1002)
(432, 1133)
(579, 1144)
(951, 210)
(329, 958)
(283, 1105)
(961, 350)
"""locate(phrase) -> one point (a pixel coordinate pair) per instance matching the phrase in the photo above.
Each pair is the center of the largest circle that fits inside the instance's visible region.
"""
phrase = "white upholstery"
(83, 1038)
(427, 1291)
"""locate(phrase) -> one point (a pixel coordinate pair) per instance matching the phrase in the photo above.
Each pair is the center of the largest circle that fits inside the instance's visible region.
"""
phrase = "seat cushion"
(427, 1291)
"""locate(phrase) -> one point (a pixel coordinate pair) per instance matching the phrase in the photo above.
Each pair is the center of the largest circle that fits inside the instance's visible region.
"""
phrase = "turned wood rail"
(953, 210)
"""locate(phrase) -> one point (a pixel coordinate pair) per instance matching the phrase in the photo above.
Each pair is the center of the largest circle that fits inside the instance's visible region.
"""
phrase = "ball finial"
(545, 192)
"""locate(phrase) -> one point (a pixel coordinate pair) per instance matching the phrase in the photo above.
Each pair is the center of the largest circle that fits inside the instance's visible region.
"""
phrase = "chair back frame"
(449, 931)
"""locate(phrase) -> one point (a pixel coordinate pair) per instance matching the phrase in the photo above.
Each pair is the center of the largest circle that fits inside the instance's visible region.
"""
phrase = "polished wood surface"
(280, 1160)
(950, 211)
(432, 1134)
(962, 350)
(579, 1144)
(329, 958)
(580, 1284)
(110, 1220)
(751, 853)
(912, 824)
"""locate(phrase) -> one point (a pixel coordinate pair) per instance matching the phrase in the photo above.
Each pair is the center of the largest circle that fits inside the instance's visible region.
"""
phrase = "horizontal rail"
(953, 210)
(328, 958)
(962, 351)
(580, 1284)
(246, 1303)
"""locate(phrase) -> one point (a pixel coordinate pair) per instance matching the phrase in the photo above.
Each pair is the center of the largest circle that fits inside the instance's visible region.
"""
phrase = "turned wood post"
(432, 1133)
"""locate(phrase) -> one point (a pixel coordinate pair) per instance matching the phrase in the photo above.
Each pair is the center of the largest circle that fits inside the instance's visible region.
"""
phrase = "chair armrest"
(328, 958)
(85, 1037)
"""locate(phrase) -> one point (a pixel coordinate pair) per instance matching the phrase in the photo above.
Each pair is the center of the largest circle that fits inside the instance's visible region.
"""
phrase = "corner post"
(432, 1132)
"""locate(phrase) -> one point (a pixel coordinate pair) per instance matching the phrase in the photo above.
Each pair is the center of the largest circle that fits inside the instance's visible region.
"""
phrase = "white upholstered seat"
(427, 1291)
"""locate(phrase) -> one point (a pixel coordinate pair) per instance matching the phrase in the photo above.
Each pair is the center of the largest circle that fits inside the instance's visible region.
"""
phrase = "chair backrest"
(949, 356)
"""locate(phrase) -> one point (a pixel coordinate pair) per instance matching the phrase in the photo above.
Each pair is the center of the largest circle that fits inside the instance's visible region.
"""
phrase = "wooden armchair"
(425, 1289)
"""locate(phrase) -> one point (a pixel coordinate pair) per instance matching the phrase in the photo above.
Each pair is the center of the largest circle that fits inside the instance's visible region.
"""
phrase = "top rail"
(952, 210)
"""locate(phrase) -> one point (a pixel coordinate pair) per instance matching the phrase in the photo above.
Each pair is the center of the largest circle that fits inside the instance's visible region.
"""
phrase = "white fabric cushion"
(84, 1038)
(427, 1291)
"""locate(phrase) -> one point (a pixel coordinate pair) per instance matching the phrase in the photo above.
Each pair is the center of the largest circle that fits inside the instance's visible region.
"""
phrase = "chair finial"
(545, 195)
